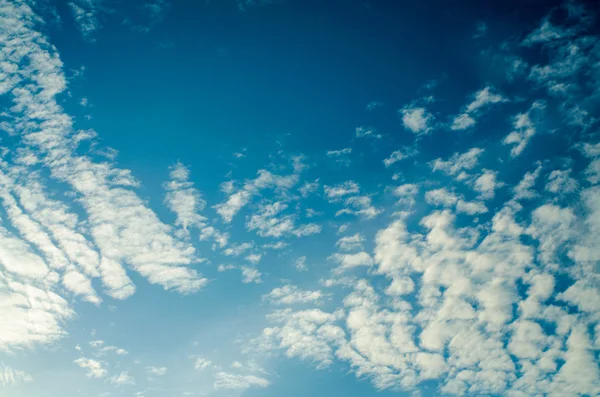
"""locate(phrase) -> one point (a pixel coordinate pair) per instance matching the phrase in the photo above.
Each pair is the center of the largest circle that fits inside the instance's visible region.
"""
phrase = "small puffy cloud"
(94, 368)
(253, 258)
(341, 156)
(458, 162)
(406, 194)
(524, 190)
(349, 261)
(481, 99)
(359, 205)
(545, 33)
(416, 119)
(201, 363)
(350, 243)
(157, 371)
(123, 378)
(398, 155)
(338, 153)
(300, 264)
(251, 275)
(336, 192)
(462, 122)
(291, 294)
(225, 380)
(524, 130)
(309, 187)
(183, 199)
(441, 197)
(85, 14)
(12, 377)
(367, 132)
(559, 181)
(486, 184)
(237, 249)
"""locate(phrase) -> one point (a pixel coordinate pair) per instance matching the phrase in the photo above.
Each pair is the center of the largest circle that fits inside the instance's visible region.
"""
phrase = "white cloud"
(300, 264)
(123, 378)
(367, 132)
(291, 294)
(183, 199)
(308, 188)
(237, 249)
(546, 32)
(462, 122)
(406, 193)
(559, 181)
(339, 153)
(226, 380)
(349, 261)
(201, 363)
(445, 198)
(399, 155)
(265, 180)
(486, 184)
(253, 258)
(524, 130)
(524, 190)
(305, 334)
(350, 243)
(336, 192)
(94, 368)
(12, 377)
(359, 205)
(270, 222)
(416, 119)
(157, 371)
(251, 275)
(85, 14)
(481, 99)
(458, 162)
(441, 197)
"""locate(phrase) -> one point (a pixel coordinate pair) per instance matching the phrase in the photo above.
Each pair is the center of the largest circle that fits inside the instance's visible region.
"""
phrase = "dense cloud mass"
(457, 276)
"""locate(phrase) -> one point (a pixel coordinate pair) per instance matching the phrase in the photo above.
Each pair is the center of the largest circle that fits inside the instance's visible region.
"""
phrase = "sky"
(299, 197)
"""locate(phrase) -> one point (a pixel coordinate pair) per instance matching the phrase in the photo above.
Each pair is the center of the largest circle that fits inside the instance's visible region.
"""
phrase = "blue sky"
(297, 197)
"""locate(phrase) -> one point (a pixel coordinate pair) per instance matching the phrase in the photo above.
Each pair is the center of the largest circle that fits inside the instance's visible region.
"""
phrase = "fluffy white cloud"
(343, 189)
(291, 294)
(94, 368)
(201, 363)
(157, 371)
(367, 132)
(123, 378)
(226, 380)
(85, 13)
(486, 184)
(399, 155)
(351, 243)
(458, 162)
(183, 199)
(524, 130)
(559, 181)
(251, 275)
(416, 119)
(265, 180)
(12, 377)
(359, 205)
(524, 190)
(270, 222)
(348, 261)
(481, 99)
